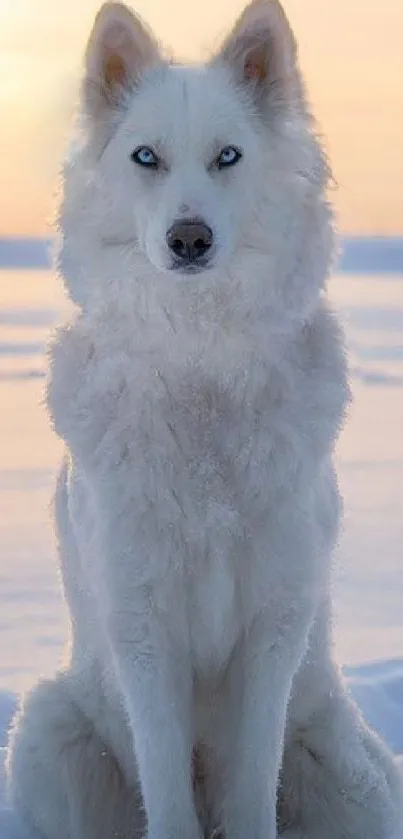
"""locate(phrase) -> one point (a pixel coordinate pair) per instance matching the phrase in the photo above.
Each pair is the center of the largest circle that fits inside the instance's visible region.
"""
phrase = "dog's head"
(192, 171)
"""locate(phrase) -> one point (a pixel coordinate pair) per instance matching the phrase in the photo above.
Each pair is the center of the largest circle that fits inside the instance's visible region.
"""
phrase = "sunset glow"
(351, 52)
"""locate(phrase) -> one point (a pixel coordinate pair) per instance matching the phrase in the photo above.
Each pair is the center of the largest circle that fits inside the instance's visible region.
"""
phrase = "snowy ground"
(369, 565)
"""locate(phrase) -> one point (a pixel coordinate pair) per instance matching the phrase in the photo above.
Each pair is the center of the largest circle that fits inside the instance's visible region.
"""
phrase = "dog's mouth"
(191, 268)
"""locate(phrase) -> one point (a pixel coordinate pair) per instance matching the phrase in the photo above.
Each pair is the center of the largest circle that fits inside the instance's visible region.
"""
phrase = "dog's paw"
(217, 833)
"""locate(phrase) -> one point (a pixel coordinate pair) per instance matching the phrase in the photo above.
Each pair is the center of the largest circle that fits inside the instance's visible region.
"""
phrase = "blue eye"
(145, 156)
(228, 157)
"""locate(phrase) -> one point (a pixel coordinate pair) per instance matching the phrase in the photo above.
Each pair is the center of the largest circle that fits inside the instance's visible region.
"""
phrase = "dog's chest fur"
(208, 449)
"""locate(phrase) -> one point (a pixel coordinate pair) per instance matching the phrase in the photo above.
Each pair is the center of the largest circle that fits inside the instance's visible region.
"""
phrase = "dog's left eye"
(228, 157)
(144, 156)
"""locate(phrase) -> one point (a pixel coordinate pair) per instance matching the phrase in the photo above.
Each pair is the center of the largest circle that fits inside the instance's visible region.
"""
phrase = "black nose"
(189, 239)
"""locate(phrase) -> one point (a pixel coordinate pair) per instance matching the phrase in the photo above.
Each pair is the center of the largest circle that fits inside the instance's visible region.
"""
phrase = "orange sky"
(351, 51)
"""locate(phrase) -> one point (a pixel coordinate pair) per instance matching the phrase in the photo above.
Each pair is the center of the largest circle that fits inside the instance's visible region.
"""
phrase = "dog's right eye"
(144, 156)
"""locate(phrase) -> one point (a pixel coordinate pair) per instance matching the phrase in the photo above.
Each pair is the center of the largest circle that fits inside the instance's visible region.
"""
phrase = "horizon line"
(358, 253)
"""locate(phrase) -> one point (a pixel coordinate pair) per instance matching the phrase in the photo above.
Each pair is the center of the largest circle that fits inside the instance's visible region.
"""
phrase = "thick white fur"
(197, 507)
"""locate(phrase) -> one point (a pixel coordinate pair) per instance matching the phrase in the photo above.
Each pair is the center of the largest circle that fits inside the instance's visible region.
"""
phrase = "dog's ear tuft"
(119, 50)
(261, 51)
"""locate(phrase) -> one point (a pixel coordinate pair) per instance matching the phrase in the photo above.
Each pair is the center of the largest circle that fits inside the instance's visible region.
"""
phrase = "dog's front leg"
(155, 679)
(263, 671)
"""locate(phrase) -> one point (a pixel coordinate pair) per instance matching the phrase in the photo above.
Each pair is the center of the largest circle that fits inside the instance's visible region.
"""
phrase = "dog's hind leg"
(338, 787)
(338, 780)
(64, 782)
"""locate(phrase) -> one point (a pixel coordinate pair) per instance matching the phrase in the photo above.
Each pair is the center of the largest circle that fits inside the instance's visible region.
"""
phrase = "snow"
(368, 577)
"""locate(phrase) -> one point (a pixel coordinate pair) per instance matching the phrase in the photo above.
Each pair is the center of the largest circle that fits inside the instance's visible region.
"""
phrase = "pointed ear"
(262, 53)
(119, 50)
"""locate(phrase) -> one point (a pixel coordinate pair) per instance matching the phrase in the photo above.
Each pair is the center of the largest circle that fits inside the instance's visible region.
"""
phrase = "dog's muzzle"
(190, 241)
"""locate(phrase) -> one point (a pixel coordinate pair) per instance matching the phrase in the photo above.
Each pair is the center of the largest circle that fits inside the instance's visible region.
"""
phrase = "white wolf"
(199, 390)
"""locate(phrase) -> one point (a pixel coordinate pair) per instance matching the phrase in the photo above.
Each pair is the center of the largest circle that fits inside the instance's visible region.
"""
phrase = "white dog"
(199, 390)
